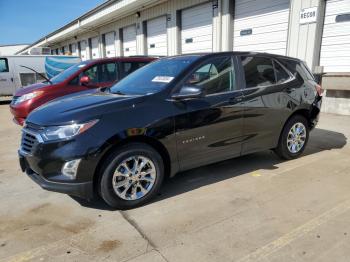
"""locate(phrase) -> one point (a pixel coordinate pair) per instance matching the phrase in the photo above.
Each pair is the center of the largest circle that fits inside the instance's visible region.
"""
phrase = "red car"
(83, 76)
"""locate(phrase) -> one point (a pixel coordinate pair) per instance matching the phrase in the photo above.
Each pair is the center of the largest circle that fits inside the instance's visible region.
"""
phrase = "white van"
(13, 75)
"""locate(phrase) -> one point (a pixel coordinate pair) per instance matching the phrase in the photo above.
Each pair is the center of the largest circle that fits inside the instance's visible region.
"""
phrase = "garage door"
(129, 40)
(83, 53)
(74, 49)
(110, 46)
(261, 26)
(335, 48)
(197, 29)
(94, 48)
(157, 36)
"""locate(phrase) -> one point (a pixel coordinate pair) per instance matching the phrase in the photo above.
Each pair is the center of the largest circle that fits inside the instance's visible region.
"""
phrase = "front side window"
(129, 67)
(215, 76)
(108, 72)
(67, 73)
(92, 73)
(4, 65)
(258, 71)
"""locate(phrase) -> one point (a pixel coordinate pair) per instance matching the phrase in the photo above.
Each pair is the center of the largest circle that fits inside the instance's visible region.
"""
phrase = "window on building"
(215, 76)
(4, 65)
(258, 71)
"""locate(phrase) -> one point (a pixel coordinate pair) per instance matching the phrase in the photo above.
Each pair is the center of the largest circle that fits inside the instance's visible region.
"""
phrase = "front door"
(209, 129)
(7, 86)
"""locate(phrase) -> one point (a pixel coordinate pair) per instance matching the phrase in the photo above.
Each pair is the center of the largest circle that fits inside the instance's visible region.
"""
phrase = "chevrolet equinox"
(171, 115)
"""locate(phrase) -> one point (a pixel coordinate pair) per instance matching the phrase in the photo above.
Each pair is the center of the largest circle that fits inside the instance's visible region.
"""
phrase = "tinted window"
(258, 71)
(308, 74)
(3, 65)
(215, 76)
(67, 73)
(75, 81)
(295, 68)
(153, 77)
(108, 72)
(129, 67)
(281, 74)
(92, 73)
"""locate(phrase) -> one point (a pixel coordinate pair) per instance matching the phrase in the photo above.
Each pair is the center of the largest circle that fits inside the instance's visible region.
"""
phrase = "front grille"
(29, 142)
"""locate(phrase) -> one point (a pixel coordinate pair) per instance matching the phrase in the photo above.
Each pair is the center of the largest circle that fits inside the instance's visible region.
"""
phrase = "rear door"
(209, 129)
(267, 102)
(7, 86)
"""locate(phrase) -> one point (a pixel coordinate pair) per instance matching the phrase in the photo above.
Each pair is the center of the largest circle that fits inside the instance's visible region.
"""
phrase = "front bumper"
(80, 189)
(20, 112)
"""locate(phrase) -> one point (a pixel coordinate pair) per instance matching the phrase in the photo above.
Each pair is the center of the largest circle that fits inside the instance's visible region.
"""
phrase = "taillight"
(319, 90)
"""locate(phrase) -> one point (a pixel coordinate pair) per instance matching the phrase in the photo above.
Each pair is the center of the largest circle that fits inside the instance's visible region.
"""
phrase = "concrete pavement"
(253, 208)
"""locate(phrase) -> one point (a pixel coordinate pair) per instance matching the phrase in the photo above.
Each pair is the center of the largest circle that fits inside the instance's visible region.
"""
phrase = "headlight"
(66, 132)
(27, 97)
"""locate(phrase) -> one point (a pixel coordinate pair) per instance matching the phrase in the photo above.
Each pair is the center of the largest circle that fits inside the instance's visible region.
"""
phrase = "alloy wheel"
(296, 137)
(134, 177)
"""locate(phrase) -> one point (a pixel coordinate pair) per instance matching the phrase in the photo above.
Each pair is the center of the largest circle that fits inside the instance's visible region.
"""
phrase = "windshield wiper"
(118, 93)
(43, 76)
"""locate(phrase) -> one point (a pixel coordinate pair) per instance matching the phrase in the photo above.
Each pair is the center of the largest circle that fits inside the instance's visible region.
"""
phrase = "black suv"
(174, 114)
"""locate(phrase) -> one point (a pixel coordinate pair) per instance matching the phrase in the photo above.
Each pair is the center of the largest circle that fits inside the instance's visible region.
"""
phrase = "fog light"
(70, 168)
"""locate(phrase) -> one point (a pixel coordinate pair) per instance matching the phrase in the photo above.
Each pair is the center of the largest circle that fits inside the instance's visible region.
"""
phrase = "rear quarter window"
(294, 68)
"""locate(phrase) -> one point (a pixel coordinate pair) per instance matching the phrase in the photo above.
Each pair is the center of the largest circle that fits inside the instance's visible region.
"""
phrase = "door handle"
(290, 89)
(236, 99)
(11, 79)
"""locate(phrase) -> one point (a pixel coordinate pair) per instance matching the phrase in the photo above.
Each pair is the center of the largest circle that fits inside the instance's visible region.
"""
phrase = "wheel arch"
(152, 142)
(303, 112)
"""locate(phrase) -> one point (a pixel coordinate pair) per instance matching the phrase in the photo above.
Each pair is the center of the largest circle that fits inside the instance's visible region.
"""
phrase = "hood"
(80, 108)
(31, 88)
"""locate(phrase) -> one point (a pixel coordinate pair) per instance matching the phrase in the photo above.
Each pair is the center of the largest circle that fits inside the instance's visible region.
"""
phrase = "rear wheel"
(294, 138)
(131, 176)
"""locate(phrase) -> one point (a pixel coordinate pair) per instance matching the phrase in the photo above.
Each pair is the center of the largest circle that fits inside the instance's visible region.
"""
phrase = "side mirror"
(84, 80)
(188, 92)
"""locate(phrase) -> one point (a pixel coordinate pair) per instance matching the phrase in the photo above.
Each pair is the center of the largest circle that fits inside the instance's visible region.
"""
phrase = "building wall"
(303, 40)
(11, 49)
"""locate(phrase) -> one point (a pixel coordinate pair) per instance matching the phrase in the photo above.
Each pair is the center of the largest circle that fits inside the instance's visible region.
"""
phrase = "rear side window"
(308, 74)
(258, 71)
(4, 65)
(281, 74)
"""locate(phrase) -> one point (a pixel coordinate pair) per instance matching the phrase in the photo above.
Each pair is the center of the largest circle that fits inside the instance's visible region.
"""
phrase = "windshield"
(67, 73)
(153, 77)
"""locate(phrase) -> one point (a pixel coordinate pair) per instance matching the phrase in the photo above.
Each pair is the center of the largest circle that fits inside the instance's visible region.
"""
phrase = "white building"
(316, 31)
(11, 49)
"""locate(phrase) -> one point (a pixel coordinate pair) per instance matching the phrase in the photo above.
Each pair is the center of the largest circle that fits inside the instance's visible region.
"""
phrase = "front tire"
(294, 138)
(131, 176)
